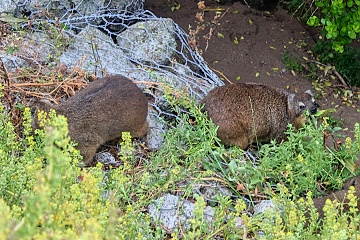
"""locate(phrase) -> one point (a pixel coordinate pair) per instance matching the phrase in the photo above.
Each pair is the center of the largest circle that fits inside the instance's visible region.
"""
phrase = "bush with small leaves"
(340, 19)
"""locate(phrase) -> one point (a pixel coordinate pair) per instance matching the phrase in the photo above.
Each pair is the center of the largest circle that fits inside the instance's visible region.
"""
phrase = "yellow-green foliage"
(291, 222)
(45, 194)
(21, 160)
(41, 187)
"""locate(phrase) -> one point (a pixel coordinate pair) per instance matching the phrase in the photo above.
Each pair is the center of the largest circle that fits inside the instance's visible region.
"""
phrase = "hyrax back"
(248, 113)
(101, 112)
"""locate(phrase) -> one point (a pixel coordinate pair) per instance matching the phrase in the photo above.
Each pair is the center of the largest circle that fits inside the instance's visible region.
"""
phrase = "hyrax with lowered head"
(247, 112)
(101, 112)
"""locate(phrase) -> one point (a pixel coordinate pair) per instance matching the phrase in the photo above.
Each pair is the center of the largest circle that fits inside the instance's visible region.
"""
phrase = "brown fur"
(248, 113)
(101, 112)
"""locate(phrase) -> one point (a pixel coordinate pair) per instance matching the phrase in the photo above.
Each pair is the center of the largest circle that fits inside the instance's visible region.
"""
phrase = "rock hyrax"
(101, 112)
(249, 112)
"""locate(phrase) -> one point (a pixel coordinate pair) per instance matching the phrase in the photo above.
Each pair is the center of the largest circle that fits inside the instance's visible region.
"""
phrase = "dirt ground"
(242, 44)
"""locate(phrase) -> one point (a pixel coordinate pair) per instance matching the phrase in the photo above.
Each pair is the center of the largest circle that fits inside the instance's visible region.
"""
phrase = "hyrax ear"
(45, 102)
(309, 92)
(42, 104)
(290, 100)
(33, 110)
(290, 103)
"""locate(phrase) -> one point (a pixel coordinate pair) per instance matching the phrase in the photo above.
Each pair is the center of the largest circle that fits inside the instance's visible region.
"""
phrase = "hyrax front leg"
(241, 141)
(87, 145)
(88, 153)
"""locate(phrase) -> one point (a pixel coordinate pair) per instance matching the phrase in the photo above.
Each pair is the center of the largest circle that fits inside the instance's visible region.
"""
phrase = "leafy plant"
(291, 63)
(303, 163)
(299, 219)
(340, 20)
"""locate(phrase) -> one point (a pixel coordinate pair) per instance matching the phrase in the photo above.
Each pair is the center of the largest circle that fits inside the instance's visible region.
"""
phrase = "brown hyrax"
(247, 112)
(101, 112)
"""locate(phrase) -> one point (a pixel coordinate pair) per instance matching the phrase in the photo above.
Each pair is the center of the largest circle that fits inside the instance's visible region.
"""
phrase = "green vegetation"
(340, 24)
(44, 194)
(300, 220)
(346, 63)
(340, 20)
(291, 62)
(303, 163)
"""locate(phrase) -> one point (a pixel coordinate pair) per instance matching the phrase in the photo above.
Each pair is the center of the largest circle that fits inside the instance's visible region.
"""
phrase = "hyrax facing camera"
(248, 113)
(101, 112)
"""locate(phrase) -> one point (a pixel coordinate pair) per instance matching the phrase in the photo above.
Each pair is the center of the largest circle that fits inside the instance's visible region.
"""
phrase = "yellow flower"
(348, 143)
(325, 121)
(300, 158)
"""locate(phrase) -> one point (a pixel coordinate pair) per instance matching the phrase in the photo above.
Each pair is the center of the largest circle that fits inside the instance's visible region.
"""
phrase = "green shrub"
(46, 195)
(303, 163)
(340, 20)
(21, 160)
(341, 25)
(299, 219)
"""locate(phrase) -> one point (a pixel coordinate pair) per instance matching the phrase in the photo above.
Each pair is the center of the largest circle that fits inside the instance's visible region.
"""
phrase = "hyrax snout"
(101, 112)
(247, 112)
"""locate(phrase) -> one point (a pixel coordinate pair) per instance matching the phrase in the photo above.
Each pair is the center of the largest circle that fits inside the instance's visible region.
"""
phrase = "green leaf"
(336, 129)
(343, 31)
(352, 34)
(220, 35)
(11, 50)
(313, 21)
(319, 4)
(350, 3)
(232, 165)
(356, 27)
(337, 46)
(236, 41)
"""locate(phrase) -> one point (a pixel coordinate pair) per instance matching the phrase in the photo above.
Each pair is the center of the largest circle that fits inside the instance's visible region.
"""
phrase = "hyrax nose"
(314, 108)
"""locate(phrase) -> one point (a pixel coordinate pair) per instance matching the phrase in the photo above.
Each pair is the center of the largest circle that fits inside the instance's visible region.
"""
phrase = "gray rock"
(35, 7)
(157, 129)
(7, 6)
(101, 10)
(171, 210)
(36, 47)
(105, 158)
(239, 222)
(95, 52)
(264, 205)
(126, 5)
(150, 41)
(75, 11)
(11, 63)
(40, 47)
(211, 190)
(120, 8)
